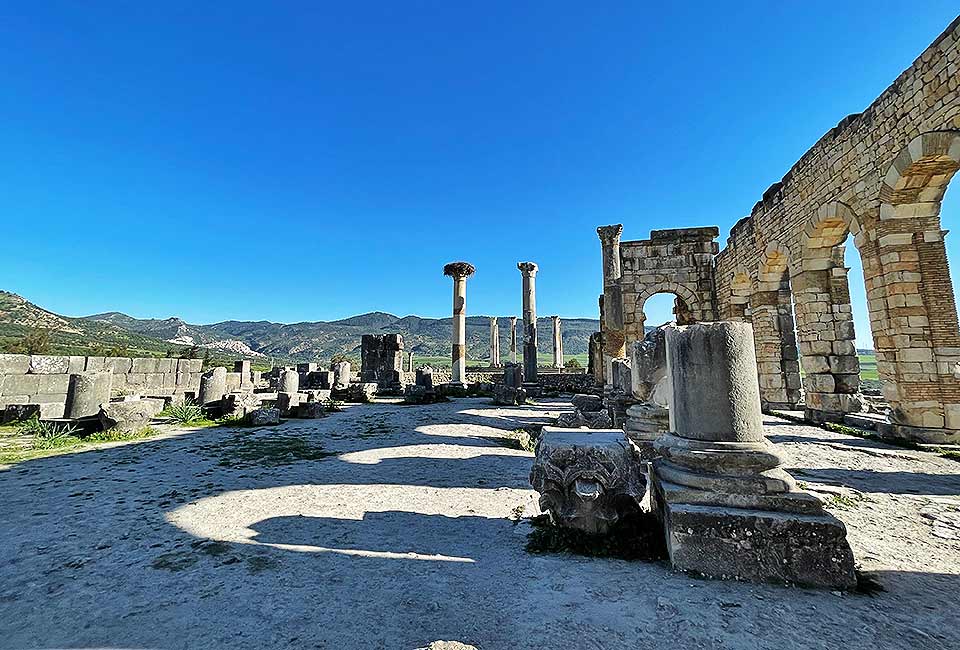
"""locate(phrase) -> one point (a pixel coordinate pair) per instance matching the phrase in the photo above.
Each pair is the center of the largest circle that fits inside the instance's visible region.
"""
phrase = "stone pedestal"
(529, 272)
(728, 508)
(587, 480)
(86, 392)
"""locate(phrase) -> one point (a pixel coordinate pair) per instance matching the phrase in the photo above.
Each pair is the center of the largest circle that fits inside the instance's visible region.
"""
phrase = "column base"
(723, 541)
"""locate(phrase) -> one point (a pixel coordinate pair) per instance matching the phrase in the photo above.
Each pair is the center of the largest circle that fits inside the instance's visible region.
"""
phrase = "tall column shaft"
(557, 344)
(459, 347)
(459, 271)
(494, 342)
(529, 271)
(513, 339)
(614, 338)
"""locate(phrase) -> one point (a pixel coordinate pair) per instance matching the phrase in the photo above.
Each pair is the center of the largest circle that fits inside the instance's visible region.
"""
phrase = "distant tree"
(36, 341)
(572, 363)
(193, 352)
(118, 350)
(338, 357)
(171, 353)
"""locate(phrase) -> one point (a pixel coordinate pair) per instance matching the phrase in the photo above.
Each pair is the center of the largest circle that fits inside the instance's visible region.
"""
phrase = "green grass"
(868, 367)
(30, 440)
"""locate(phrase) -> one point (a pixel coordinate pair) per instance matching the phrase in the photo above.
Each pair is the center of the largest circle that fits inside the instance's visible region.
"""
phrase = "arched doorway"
(774, 332)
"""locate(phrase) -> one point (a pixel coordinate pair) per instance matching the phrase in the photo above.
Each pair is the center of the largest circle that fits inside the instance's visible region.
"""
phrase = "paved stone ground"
(399, 533)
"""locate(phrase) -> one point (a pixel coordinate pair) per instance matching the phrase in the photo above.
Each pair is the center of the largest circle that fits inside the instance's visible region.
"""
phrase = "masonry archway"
(686, 310)
(741, 290)
(774, 332)
(913, 310)
(825, 316)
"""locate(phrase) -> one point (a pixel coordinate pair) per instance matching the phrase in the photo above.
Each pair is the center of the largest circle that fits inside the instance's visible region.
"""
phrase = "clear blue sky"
(309, 161)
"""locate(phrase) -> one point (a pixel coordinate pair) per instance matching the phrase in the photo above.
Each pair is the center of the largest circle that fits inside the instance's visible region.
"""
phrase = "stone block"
(94, 364)
(144, 366)
(14, 364)
(587, 403)
(52, 384)
(129, 415)
(508, 395)
(760, 546)
(166, 365)
(310, 410)
(153, 381)
(20, 385)
(87, 391)
(119, 365)
(52, 410)
(42, 364)
(233, 382)
(136, 380)
(263, 417)
(76, 364)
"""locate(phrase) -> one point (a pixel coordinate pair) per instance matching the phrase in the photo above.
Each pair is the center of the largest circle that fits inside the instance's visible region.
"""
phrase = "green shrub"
(187, 413)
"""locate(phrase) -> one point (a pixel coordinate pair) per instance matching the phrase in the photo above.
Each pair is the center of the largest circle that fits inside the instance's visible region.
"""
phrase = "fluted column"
(513, 339)
(529, 271)
(459, 271)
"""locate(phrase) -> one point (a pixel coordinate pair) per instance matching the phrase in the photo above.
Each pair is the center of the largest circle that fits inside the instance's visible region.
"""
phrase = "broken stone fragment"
(129, 415)
(263, 417)
(587, 480)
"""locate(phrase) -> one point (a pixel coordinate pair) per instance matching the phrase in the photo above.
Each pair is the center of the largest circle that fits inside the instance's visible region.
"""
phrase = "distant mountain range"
(321, 340)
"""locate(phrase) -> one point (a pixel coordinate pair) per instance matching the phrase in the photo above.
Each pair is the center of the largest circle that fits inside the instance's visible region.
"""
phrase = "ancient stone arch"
(913, 310)
(678, 261)
(824, 317)
(774, 333)
(879, 175)
(687, 308)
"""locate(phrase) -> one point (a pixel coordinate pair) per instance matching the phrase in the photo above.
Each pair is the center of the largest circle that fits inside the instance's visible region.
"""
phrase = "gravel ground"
(395, 529)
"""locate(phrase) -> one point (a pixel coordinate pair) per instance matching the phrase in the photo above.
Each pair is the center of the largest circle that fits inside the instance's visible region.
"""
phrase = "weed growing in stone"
(184, 414)
(49, 435)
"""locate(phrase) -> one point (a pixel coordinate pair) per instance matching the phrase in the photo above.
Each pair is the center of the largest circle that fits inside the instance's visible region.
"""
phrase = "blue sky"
(308, 161)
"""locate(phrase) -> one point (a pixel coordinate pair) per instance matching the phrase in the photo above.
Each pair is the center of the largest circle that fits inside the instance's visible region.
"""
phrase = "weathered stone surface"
(86, 392)
(236, 405)
(131, 415)
(508, 395)
(361, 392)
(289, 382)
(717, 483)
(213, 385)
(586, 480)
(311, 410)
(341, 375)
(381, 360)
(14, 364)
(528, 271)
(41, 364)
(288, 403)
(587, 403)
(263, 417)
(424, 377)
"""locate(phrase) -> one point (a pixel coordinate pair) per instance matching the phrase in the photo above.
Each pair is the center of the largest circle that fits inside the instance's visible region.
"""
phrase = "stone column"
(213, 385)
(289, 382)
(717, 481)
(513, 339)
(614, 338)
(557, 344)
(410, 361)
(529, 271)
(459, 271)
(494, 342)
(86, 392)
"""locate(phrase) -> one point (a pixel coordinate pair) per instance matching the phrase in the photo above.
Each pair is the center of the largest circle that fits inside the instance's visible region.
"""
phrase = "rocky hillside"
(263, 340)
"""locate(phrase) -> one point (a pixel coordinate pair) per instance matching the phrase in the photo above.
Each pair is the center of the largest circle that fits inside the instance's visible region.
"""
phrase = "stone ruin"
(381, 361)
(727, 507)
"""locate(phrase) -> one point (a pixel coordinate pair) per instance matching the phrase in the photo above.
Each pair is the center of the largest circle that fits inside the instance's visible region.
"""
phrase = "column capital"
(610, 234)
(459, 270)
(528, 268)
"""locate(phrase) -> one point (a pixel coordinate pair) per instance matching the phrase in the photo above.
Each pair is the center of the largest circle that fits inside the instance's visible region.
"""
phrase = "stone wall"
(878, 178)
(43, 379)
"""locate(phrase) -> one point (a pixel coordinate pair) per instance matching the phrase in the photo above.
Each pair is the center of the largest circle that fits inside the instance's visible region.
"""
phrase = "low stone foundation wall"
(43, 379)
